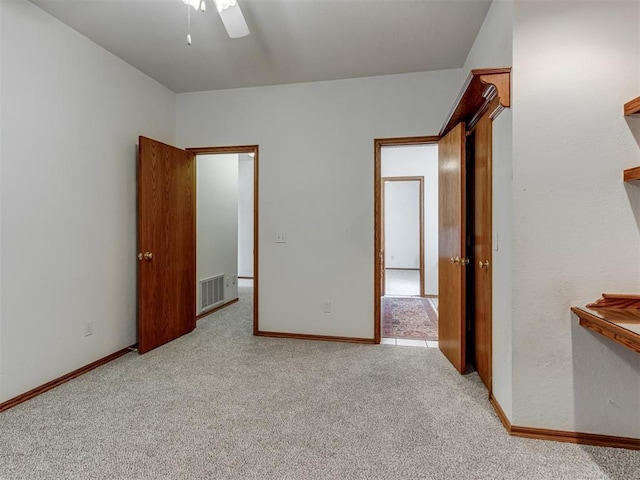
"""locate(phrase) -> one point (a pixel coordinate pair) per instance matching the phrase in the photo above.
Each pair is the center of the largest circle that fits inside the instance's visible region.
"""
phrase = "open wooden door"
(451, 246)
(482, 241)
(166, 242)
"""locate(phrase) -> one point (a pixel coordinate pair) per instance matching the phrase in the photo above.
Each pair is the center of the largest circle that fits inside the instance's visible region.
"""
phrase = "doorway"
(226, 227)
(171, 292)
(403, 235)
(406, 241)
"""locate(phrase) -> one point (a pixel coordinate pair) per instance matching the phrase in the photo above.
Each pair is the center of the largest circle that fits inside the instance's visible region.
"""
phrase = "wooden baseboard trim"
(246, 278)
(63, 379)
(214, 310)
(576, 437)
(564, 436)
(326, 338)
(501, 415)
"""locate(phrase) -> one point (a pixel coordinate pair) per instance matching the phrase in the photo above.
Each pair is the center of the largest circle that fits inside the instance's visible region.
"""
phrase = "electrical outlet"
(227, 281)
(88, 328)
(235, 278)
(326, 307)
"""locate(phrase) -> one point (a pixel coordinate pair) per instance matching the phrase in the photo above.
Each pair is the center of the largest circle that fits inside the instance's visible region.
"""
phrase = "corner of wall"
(493, 47)
(1, 130)
(565, 377)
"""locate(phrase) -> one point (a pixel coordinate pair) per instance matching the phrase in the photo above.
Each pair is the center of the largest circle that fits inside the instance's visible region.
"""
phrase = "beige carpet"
(222, 404)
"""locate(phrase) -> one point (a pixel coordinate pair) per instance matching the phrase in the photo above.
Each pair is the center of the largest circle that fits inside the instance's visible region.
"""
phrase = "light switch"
(281, 237)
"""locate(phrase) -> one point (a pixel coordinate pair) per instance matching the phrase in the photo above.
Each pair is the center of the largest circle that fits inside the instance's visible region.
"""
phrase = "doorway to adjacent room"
(407, 241)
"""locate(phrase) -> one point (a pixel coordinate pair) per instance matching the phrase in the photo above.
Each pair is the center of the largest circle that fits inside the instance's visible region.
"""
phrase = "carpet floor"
(221, 404)
(409, 317)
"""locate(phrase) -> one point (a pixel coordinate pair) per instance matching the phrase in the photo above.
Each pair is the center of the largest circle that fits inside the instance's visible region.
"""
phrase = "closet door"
(451, 246)
(482, 241)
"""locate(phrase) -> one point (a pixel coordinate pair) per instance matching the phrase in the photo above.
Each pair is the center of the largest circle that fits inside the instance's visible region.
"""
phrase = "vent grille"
(211, 292)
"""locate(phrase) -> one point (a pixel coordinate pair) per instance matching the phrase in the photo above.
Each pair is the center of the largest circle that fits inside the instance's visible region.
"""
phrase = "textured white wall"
(245, 216)
(71, 116)
(217, 221)
(493, 44)
(402, 224)
(575, 224)
(1, 369)
(493, 48)
(420, 160)
(316, 183)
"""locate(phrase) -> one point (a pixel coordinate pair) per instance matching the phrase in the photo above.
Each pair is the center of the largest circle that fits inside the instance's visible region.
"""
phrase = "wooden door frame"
(240, 149)
(420, 180)
(378, 144)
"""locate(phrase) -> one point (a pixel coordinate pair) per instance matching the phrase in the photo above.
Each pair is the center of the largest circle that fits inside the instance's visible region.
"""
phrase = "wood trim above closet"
(480, 88)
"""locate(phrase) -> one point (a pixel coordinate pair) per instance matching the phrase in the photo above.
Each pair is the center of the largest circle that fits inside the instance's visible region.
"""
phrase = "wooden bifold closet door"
(451, 246)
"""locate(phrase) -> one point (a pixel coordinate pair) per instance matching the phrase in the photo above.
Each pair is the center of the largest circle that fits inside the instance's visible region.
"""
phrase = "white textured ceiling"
(291, 40)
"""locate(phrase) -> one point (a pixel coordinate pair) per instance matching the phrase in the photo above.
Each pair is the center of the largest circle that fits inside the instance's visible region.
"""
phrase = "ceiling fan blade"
(233, 19)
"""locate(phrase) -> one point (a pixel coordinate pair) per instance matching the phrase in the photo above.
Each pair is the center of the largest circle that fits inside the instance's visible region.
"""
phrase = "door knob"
(464, 261)
(145, 256)
(484, 264)
(455, 261)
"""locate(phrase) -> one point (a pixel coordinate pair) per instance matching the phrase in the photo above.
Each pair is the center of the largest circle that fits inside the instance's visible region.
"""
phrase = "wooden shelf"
(631, 174)
(632, 107)
(615, 316)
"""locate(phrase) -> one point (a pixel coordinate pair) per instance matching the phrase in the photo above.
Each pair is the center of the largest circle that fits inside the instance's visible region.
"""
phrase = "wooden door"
(451, 246)
(482, 241)
(166, 242)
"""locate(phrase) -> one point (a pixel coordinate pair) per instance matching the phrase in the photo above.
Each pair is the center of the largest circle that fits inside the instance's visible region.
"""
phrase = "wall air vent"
(211, 292)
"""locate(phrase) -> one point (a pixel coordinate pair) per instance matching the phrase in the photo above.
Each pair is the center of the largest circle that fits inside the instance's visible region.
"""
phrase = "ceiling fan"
(230, 13)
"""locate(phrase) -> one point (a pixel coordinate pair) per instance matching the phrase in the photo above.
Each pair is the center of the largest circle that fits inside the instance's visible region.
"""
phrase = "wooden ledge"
(632, 107)
(608, 329)
(631, 174)
(480, 88)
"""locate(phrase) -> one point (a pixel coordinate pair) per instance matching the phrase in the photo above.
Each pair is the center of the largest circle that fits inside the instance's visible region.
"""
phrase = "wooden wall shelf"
(632, 107)
(631, 174)
(616, 316)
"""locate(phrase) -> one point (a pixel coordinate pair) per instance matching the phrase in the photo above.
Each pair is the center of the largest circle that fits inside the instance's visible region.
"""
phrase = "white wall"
(575, 224)
(420, 160)
(71, 116)
(316, 183)
(217, 221)
(402, 224)
(493, 48)
(245, 216)
(1, 370)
